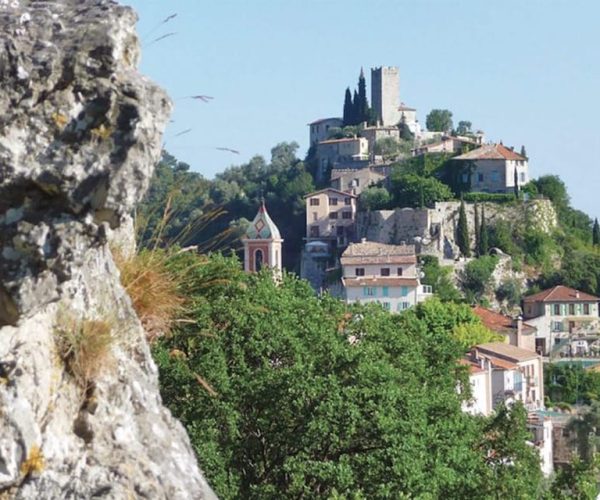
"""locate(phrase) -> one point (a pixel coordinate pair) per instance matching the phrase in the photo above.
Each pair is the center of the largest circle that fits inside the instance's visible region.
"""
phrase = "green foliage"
(412, 190)
(464, 128)
(489, 197)
(586, 427)
(477, 275)
(363, 104)
(439, 120)
(539, 248)
(390, 148)
(405, 132)
(235, 193)
(287, 395)
(477, 224)
(484, 238)
(348, 116)
(439, 278)
(596, 233)
(471, 334)
(374, 198)
(510, 291)
(462, 232)
(576, 480)
(553, 188)
(346, 132)
(570, 383)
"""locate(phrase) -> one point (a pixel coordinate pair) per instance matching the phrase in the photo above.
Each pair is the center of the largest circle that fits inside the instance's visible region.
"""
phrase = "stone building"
(319, 129)
(331, 215)
(385, 95)
(385, 274)
(355, 181)
(262, 244)
(352, 152)
(492, 169)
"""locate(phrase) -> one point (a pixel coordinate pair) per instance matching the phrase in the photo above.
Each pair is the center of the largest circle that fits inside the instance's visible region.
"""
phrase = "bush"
(510, 291)
(438, 277)
(476, 276)
(490, 197)
(374, 198)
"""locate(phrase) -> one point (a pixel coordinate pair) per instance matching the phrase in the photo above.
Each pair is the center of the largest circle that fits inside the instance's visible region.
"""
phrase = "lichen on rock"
(80, 133)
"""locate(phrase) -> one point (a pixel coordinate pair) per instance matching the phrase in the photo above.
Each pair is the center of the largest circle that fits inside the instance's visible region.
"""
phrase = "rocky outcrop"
(80, 132)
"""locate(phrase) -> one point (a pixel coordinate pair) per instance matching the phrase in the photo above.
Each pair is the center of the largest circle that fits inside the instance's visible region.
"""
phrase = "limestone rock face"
(80, 133)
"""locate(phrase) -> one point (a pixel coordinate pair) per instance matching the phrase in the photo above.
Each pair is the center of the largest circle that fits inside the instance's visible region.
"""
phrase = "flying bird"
(187, 131)
(162, 37)
(234, 151)
(156, 26)
(203, 98)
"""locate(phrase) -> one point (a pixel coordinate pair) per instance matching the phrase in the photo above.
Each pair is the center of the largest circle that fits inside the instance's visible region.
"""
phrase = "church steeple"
(262, 243)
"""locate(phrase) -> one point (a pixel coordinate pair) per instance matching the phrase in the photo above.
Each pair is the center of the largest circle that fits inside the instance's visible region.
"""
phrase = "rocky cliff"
(80, 132)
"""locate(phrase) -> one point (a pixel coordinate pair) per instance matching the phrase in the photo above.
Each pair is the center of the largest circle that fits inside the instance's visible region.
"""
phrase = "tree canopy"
(439, 120)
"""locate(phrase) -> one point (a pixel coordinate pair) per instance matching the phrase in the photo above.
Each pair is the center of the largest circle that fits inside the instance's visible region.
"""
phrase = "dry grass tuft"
(153, 290)
(34, 463)
(85, 347)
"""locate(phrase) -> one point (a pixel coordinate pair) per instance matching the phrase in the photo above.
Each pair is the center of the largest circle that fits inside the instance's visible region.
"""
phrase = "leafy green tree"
(388, 147)
(348, 116)
(576, 480)
(356, 108)
(587, 432)
(405, 132)
(463, 128)
(553, 188)
(439, 278)
(477, 275)
(510, 291)
(288, 395)
(596, 233)
(439, 120)
(462, 232)
(472, 334)
(374, 198)
(412, 190)
(478, 226)
(484, 245)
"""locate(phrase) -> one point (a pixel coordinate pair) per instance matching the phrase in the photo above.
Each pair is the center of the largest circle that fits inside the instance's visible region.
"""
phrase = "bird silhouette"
(234, 151)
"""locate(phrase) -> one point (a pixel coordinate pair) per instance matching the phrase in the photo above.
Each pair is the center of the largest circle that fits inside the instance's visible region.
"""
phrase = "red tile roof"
(474, 367)
(491, 152)
(399, 281)
(561, 293)
(499, 322)
(326, 190)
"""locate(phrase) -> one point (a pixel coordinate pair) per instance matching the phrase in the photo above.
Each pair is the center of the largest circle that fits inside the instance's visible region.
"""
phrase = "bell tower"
(262, 244)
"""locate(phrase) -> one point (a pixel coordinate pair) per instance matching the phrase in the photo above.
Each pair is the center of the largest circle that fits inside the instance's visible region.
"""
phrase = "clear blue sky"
(526, 72)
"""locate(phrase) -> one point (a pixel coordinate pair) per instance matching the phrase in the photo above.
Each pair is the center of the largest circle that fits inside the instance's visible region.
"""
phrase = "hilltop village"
(362, 247)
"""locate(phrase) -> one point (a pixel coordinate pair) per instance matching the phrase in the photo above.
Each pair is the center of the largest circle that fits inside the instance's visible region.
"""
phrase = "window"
(386, 306)
(369, 291)
(340, 230)
(359, 271)
(346, 215)
(347, 201)
(522, 177)
(314, 231)
(385, 291)
(465, 177)
(557, 309)
(385, 271)
(557, 326)
(495, 176)
(404, 291)
(480, 177)
(333, 201)
(258, 260)
(314, 202)
(399, 271)
(572, 309)
(356, 182)
(586, 308)
(333, 215)
(315, 216)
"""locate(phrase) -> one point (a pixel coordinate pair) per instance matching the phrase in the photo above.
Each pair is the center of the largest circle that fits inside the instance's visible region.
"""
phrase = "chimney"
(363, 240)
(577, 294)
(519, 331)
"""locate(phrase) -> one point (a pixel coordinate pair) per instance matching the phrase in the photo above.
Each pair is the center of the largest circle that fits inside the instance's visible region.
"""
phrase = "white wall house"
(493, 169)
(330, 215)
(384, 274)
(480, 380)
(566, 320)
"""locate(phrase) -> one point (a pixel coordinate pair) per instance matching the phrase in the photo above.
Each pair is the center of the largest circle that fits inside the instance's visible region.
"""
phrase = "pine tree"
(477, 232)
(363, 103)
(484, 238)
(462, 232)
(348, 109)
(596, 233)
(516, 181)
(405, 133)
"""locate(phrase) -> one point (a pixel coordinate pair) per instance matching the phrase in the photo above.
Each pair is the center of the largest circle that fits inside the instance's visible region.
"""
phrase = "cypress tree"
(348, 109)
(596, 233)
(363, 103)
(523, 152)
(462, 232)
(355, 109)
(484, 245)
(477, 232)
(516, 181)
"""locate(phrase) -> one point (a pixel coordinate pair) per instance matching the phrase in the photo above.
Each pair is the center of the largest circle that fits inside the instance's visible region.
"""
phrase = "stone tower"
(385, 94)
(262, 244)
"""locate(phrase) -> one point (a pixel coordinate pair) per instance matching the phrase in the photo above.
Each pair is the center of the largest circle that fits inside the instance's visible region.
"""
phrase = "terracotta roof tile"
(491, 152)
(499, 322)
(561, 293)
